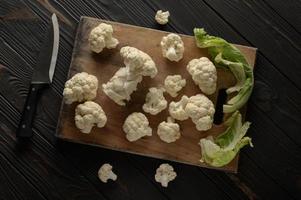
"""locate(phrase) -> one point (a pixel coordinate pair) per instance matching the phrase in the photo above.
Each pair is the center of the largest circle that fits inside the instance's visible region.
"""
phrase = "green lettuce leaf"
(223, 149)
(226, 55)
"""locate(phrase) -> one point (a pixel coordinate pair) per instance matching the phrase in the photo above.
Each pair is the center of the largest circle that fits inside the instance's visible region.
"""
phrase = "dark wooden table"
(46, 168)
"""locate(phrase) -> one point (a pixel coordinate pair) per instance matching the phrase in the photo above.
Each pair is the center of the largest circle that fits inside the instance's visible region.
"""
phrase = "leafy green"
(223, 149)
(226, 55)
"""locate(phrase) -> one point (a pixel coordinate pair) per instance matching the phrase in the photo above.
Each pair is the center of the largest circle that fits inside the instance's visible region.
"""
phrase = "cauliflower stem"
(227, 56)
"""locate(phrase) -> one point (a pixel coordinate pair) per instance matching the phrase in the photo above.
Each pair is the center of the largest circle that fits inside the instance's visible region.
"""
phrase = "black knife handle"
(25, 126)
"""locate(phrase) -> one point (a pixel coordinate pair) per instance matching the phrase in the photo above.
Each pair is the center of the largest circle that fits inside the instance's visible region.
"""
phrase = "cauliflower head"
(120, 87)
(154, 101)
(136, 126)
(177, 109)
(102, 37)
(203, 73)
(88, 115)
(105, 173)
(124, 82)
(201, 110)
(162, 17)
(172, 47)
(82, 86)
(173, 84)
(169, 131)
(138, 62)
(164, 174)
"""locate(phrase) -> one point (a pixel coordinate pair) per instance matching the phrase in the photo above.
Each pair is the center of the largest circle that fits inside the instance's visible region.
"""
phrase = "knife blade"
(42, 76)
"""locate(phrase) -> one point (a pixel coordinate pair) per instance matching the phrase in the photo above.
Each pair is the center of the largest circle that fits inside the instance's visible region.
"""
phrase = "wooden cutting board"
(105, 64)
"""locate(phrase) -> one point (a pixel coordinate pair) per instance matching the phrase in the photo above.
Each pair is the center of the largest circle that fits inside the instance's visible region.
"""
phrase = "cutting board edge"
(142, 27)
(234, 170)
(58, 126)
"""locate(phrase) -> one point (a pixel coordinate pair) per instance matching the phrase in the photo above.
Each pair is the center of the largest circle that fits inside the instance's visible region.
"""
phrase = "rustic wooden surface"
(45, 168)
(104, 66)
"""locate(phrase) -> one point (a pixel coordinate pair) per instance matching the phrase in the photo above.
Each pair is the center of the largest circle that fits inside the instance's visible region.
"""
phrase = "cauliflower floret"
(203, 73)
(162, 17)
(154, 101)
(173, 84)
(80, 87)
(136, 126)
(164, 174)
(201, 110)
(124, 82)
(138, 62)
(169, 131)
(120, 87)
(172, 47)
(177, 109)
(105, 173)
(102, 36)
(87, 115)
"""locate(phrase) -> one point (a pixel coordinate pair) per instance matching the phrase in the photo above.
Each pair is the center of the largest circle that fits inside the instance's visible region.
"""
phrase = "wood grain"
(37, 160)
(289, 11)
(273, 36)
(104, 66)
(12, 183)
(275, 101)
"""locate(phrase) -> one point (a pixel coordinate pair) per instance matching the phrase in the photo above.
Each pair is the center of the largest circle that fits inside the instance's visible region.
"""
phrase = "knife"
(41, 78)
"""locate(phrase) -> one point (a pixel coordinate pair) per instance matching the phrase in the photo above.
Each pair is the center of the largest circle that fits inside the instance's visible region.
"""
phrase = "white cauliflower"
(172, 47)
(177, 109)
(169, 131)
(162, 17)
(87, 115)
(124, 82)
(154, 101)
(82, 86)
(201, 110)
(203, 73)
(138, 62)
(136, 126)
(164, 174)
(102, 37)
(173, 84)
(105, 173)
(120, 87)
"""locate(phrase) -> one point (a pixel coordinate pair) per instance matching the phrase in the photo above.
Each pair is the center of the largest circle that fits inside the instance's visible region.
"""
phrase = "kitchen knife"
(42, 76)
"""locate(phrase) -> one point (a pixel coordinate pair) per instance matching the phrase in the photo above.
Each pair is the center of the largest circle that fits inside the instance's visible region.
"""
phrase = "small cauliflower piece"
(102, 37)
(172, 47)
(154, 101)
(124, 82)
(105, 173)
(82, 86)
(201, 110)
(136, 126)
(88, 115)
(169, 131)
(162, 17)
(203, 73)
(173, 84)
(164, 174)
(177, 109)
(138, 62)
